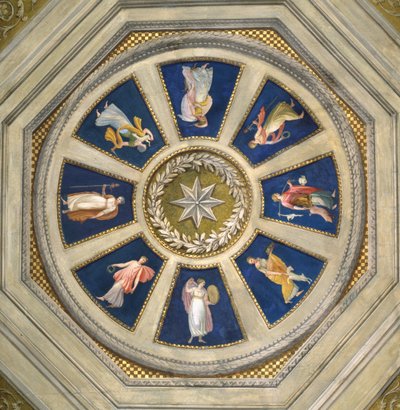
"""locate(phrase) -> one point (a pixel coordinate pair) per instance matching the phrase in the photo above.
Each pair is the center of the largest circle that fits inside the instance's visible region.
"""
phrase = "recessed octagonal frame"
(262, 53)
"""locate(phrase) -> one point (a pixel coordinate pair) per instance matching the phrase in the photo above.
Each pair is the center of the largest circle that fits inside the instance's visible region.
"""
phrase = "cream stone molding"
(351, 359)
(287, 333)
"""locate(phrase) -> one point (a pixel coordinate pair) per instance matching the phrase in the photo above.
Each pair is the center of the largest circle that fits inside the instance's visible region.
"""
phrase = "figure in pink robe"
(315, 200)
(195, 300)
(126, 280)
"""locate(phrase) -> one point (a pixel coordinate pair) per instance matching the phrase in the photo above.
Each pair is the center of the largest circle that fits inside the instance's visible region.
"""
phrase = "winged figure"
(276, 270)
(271, 130)
(196, 303)
(120, 127)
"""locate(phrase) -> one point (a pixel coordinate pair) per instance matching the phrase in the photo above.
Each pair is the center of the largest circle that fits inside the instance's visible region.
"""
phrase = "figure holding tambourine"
(197, 300)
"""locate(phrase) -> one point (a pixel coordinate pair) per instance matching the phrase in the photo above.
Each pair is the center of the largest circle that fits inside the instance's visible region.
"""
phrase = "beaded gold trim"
(168, 158)
(270, 368)
(168, 301)
(251, 105)
(115, 157)
(293, 167)
(97, 235)
(220, 60)
(290, 245)
(107, 252)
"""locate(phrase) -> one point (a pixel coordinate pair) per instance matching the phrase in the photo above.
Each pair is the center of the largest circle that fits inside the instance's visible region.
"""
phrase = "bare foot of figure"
(201, 340)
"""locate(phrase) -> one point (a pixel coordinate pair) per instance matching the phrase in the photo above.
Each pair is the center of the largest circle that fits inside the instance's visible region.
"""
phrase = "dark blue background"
(175, 328)
(297, 128)
(223, 83)
(320, 174)
(129, 100)
(97, 281)
(269, 294)
(74, 175)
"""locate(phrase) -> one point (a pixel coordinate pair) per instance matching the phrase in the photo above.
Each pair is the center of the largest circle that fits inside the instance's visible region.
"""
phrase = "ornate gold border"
(109, 174)
(250, 107)
(165, 160)
(293, 167)
(290, 245)
(110, 90)
(272, 39)
(168, 301)
(107, 252)
(219, 60)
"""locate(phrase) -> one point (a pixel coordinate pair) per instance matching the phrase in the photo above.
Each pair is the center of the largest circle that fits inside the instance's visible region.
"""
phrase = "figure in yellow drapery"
(278, 272)
(137, 137)
(271, 130)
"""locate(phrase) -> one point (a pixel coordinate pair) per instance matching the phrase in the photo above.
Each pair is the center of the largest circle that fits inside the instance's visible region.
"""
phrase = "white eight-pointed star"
(197, 202)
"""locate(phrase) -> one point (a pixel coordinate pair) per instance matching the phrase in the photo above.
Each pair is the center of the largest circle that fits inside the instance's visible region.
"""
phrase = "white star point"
(197, 202)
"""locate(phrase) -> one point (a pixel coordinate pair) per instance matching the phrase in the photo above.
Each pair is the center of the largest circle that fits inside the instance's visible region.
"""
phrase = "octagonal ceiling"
(199, 209)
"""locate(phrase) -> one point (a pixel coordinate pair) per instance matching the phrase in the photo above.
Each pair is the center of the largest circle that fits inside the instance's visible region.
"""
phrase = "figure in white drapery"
(195, 300)
(126, 280)
(196, 102)
(137, 136)
(92, 205)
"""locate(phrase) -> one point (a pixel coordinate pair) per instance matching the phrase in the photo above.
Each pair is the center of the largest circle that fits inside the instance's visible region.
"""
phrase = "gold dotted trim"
(229, 160)
(169, 297)
(254, 100)
(107, 252)
(166, 93)
(100, 234)
(293, 167)
(290, 245)
(270, 368)
(90, 109)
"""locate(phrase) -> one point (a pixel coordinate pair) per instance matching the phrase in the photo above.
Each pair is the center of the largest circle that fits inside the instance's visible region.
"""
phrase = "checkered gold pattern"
(272, 367)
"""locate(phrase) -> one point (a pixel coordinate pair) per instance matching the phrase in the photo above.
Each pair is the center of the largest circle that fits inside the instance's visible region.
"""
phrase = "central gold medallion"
(197, 201)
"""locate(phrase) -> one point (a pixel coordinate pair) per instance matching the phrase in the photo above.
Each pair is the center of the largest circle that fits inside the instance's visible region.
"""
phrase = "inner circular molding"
(257, 172)
(210, 197)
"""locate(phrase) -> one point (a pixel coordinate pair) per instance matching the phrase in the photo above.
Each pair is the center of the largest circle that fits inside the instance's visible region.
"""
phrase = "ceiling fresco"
(200, 205)
(200, 200)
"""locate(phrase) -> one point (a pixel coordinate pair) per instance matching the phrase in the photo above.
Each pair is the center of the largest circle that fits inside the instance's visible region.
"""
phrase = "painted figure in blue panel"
(136, 136)
(195, 298)
(271, 130)
(196, 102)
(121, 124)
(120, 282)
(306, 196)
(275, 269)
(278, 276)
(276, 121)
(92, 203)
(200, 93)
(200, 311)
(301, 197)
(126, 280)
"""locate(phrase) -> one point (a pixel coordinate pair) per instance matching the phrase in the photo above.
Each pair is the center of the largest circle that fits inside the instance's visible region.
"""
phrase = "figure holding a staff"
(92, 205)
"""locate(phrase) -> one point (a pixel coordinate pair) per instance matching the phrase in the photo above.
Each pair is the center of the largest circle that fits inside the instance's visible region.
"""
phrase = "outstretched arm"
(121, 265)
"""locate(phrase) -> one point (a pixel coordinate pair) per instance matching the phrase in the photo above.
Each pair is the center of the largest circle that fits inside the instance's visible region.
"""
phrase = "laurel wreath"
(200, 243)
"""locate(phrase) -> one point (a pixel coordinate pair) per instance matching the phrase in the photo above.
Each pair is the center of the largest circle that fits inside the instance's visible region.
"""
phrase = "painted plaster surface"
(225, 270)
